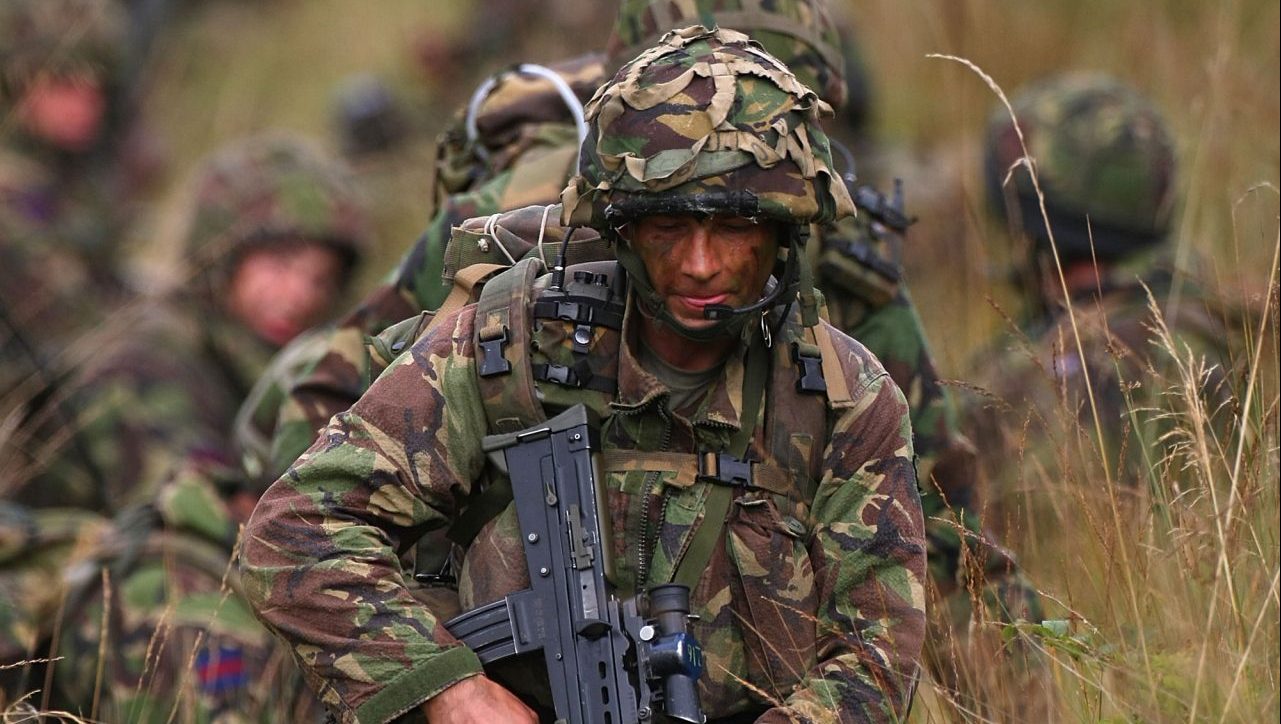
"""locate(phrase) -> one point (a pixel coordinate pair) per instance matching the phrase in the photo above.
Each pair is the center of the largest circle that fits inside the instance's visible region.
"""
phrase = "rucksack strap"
(465, 281)
(502, 335)
(716, 509)
(837, 387)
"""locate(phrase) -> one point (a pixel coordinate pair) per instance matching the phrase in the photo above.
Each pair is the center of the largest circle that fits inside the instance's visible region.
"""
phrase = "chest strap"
(699, 553)
(716, 468)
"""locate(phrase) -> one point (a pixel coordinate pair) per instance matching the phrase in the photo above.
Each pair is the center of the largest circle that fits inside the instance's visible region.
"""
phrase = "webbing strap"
(465, 281)
(511, 402)
(699, 553)
(685, 468)
(838, 389)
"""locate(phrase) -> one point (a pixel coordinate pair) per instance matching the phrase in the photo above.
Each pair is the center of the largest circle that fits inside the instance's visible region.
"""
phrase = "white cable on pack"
(487, 86)
(491, 231)
(542, 231)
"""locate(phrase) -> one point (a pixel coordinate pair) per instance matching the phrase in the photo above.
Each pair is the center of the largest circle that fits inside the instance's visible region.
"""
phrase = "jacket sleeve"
(320, 554)
(868, 555)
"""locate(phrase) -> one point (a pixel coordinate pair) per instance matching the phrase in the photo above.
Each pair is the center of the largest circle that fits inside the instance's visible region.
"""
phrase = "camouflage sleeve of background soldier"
(320, 553)
(868, 553)
(337, 378)
(894, 333)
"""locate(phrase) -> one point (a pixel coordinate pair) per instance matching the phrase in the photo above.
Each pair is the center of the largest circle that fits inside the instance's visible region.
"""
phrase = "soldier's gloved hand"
(477, 700)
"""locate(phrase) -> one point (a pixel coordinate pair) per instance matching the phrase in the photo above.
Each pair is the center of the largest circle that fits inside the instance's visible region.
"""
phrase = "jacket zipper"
(644, 551)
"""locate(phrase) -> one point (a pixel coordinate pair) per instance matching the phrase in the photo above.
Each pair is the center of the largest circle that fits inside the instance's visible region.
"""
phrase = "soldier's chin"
(276, 333)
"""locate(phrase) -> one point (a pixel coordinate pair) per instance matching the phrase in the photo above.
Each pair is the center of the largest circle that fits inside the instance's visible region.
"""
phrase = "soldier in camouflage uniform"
(521, 143)
(275, 232)
(149, 618)
(698, 223)
(1106, 165)
(514, 146)
(59, 61)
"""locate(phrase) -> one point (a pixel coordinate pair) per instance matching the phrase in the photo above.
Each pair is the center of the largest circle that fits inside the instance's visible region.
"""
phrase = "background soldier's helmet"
(58, 37)
(273, 189)
(800, 33)
(1104, 159)
(368, 116)
(706, 122)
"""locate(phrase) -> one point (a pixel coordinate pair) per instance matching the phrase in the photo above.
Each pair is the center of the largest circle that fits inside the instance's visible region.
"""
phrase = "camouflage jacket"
(1034, 383)
(160, 394)
(49, 288)
(320, 557)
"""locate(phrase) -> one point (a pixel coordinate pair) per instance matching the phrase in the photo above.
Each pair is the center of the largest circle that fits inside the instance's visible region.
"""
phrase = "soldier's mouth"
(697, 302)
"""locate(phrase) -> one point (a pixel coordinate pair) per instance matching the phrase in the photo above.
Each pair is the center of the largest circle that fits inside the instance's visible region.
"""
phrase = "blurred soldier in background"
(1098, 275)
(276, 231)
(60, 214)
(150, 621)
(514, 144)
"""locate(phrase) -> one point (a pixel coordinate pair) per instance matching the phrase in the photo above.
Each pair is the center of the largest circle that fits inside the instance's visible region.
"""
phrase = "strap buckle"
(492, 344)
(725, 469)
(809, 364)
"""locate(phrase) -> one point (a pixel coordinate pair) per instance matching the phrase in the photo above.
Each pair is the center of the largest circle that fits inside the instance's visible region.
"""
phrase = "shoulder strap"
(502, 334)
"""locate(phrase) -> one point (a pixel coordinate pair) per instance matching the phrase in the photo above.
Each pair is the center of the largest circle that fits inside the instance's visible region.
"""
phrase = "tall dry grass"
(1165, 593)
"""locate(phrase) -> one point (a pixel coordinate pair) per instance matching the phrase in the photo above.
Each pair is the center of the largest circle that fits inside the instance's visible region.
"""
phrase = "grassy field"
(1170, 598)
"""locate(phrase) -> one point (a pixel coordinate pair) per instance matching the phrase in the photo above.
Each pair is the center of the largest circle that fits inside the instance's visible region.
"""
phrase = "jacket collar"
(638, 388)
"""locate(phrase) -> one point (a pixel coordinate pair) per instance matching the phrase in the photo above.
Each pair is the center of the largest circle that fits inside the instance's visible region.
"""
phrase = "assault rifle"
(608, 659)
(886, 222)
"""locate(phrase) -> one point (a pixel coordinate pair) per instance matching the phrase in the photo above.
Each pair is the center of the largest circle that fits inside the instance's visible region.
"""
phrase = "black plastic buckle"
(492, 361)
(809, 371)
(725, 469)
(560, 374)
(436, 580)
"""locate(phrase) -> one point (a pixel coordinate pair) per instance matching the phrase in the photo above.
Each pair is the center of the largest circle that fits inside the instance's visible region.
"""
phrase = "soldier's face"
(67, 113)
(282, 290)
(694, 262)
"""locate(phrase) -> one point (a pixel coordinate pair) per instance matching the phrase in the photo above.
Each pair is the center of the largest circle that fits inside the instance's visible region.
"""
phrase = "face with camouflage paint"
(281, 290)
(694, 262)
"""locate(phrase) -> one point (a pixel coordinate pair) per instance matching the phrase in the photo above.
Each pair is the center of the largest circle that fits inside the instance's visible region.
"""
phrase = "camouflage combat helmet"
(707, 122)
(1104, 159)
(61, 37)
(800, 33)
(270, 189)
